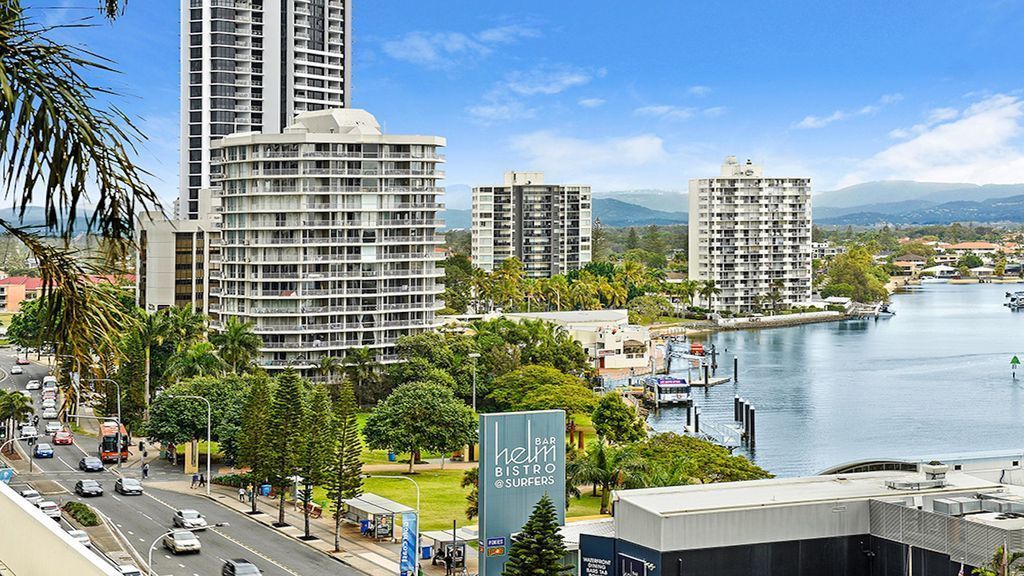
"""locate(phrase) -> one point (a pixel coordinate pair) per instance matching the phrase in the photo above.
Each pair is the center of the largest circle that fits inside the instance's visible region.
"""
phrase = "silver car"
(182, 541)
(81, 536)
(189, 519)
(32, 496)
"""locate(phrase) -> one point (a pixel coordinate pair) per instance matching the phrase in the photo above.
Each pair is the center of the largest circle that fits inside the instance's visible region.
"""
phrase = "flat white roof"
(572, 316)
(674, 500)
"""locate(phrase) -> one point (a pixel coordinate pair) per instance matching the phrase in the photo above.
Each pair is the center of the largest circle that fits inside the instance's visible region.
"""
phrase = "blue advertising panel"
(597, 555)
(6, 474)
(407, 565)
(522, 458)
(635, 560)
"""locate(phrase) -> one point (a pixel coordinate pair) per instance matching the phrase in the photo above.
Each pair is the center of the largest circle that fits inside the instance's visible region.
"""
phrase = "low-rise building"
(14, 290)
(822, 250)
(610, 340)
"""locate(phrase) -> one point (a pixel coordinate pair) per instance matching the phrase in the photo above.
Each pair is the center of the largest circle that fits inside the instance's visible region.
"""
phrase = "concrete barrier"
(780, 320)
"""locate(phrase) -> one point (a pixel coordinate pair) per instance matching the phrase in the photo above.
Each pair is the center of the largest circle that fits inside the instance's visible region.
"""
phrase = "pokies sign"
(522, 458)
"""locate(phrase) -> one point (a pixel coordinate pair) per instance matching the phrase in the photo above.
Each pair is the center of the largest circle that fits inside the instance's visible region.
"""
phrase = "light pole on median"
(474, 356)
(416, 484)
(209, 413)
(118, 413)
(149, 561)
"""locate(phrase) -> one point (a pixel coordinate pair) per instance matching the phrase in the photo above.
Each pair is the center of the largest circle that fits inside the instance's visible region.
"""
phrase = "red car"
(63, 437)
(22, 361)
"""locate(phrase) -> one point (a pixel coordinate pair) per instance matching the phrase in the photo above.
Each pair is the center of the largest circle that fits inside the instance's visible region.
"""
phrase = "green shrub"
(82, 513)
(235, 480)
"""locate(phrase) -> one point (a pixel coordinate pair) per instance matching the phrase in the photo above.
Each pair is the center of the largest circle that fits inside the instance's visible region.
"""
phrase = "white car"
(49, 403)
(189, 519)
(50, 509)
(129, 570)
(50, 414)
(27, 431)
(49, 381)
(33, 385)
(17, 370)
(81, 536)
(53, 427)
(31, 495)
(182, 541)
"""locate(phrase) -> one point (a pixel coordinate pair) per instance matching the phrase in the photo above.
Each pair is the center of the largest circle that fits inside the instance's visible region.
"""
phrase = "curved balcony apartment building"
(329, 236)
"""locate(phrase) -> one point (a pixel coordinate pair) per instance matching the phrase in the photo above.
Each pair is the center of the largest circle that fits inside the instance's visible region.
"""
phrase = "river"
(934, 379)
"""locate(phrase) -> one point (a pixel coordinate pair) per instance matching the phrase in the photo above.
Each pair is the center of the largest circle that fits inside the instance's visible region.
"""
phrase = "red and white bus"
(108, 442)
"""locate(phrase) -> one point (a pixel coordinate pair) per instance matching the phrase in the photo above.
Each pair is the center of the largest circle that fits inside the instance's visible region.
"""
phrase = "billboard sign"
(522, 458)
(409, 533)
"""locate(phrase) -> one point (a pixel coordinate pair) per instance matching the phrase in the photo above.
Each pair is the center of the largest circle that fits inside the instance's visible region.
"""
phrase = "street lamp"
(474, 356)
(209, 413)
(149, 561)
(118, 437)
(416, 484)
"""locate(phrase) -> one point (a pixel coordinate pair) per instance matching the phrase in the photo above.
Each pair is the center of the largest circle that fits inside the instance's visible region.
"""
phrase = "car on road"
(31, 495)
(81, 536)
(182, 541)
(22, 362)
(49, 403)
(88, 488)
(239, 567)
(17, 369)
(128, 486)
(90, 464)
(188, 518)
(49, 413)
(29, 430)
(53, 427)
(50, 509)
(63, 437)
(129, 570)
(33, 385)
(49, 394)
(49, 382)
(42, 451)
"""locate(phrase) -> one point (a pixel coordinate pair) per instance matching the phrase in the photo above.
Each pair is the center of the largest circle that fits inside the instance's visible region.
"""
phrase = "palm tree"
(531, 292)
(185, 326)
(688, 290)
(556, 290)
(151, 331)
(583, 293)
(63, 148)
(613, 293)
(361, 368)
(327, 367)
(236, 343)
(708, 289)
(199, 359)
(609, 468)
(633, 273)
(14, 407)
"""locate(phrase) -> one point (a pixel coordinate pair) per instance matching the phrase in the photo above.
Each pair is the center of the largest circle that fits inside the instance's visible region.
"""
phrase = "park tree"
(420, 416)
(198, 359)
(471, 480)
(316, 445)
(14, 407)
(539, 548)
(616, 421)
(458, 283)
(856, 269)
(695, 461)
(345, 469)
(254, 437)
(609, 468)
(174, 419)
(286, 413)
(632, 239)
(647, 309)
(26, 325)
(541, 388)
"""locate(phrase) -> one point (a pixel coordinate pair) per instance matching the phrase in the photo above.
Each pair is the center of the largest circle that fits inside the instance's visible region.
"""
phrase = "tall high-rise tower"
(251, 66)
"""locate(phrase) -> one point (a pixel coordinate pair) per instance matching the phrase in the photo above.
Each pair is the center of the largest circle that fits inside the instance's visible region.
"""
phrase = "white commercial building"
(330, 236)
(610, 340)
(751, 235)
(546, 226)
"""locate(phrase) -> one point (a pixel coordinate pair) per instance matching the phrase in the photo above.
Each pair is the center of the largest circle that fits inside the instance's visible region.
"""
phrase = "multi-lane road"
(143, 519)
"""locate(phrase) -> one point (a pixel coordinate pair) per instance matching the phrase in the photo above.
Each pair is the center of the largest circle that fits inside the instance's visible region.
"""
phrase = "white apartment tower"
(329, 236)
(251, 66)
(546, 226)
(751, 234)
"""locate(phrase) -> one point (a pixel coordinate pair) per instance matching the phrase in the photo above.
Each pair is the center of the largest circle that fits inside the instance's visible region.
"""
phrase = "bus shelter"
(374, 514)
(443, 541)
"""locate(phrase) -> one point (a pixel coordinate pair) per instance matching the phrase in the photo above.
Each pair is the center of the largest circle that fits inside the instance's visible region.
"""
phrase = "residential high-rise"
(546, 226)
(329, 236)
(250, 66)
(751, 234)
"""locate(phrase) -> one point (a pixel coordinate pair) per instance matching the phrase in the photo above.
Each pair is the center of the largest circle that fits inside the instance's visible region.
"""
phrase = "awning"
(461, 535)
(376, 505)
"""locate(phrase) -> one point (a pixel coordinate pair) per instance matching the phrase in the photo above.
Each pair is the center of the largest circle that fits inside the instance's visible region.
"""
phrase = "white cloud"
(445, 49)
(699, 90)
(546, 150)
(546, 79)
(979, 144)
(666, 111)
(507, 100)
(935, 116)
(592, 102)
(714, 111)
(810, 122)
(496, 109)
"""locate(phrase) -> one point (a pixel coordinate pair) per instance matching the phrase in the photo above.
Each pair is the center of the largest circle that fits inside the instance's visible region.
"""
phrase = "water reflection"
(934, 379)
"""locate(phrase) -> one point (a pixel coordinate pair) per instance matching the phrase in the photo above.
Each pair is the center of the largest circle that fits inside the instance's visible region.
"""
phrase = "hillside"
(617, 213)
(669, 200)
(1009, 210)
(862, 197)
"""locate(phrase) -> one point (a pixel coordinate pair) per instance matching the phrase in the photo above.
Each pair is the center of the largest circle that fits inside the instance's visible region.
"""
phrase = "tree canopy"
(541, 388)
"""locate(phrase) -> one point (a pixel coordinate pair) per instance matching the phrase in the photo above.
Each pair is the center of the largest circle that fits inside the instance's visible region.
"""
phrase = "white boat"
(670, 391)
(1016, 300)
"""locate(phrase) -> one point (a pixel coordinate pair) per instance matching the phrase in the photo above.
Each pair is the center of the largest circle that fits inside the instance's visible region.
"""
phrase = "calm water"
(935, 379)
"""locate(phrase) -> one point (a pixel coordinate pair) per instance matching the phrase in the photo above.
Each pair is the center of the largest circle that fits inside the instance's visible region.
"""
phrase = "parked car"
(239, 567)
(128, 486)
(42, 451)
(90, 464)
(88, 488)
(81, 536)
(22, 362)
(50, 509)
(29, 430)
(189, 519)
(33, 385)
(182, 541)
(31, 495)
(63, 437)
(49, 394)
(17, 369)
(53, 427)
(49, 403)
(49, 413)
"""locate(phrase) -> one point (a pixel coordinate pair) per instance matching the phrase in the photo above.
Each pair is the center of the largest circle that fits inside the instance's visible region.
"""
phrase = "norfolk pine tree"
(286, 433)
(539, 548)
(316, 444)
(254, 438)
(345, 470)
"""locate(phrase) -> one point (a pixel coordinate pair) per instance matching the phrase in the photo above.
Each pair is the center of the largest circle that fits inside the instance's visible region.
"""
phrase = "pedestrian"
(249, 492)
(448, 562)
(142, 445)
(195, 479)
(241, 494)
(202, 480)
(145, 471)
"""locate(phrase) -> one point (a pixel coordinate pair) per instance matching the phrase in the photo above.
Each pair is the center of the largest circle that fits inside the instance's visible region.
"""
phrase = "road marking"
(73, 470)
(258, 553)
(118, 499)
(133, 533)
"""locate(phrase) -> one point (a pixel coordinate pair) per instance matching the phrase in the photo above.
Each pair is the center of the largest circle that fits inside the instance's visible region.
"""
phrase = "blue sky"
(629, 95)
